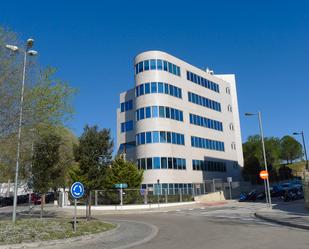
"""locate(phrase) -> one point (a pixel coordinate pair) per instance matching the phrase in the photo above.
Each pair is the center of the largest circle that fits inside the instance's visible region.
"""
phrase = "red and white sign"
(264, 174)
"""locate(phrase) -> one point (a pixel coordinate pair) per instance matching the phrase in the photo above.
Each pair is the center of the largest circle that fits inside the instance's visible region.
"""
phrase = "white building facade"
(180, 124)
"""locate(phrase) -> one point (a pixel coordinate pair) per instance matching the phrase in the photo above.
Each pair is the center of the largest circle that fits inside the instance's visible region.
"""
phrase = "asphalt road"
(231, 226)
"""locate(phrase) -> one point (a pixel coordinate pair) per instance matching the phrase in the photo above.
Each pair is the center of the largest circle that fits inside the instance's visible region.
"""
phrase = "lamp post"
(26, 51)
(264, 154)
(304, 144)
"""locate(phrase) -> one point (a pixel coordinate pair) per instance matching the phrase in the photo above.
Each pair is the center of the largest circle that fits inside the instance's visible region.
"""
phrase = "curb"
(42, 244)
(284, 223)
(153, 234)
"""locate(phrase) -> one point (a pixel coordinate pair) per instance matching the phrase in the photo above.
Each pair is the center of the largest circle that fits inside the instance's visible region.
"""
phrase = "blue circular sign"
(77, 190)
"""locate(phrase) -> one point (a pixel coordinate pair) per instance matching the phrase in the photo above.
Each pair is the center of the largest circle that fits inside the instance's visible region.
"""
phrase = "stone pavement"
(292, 214)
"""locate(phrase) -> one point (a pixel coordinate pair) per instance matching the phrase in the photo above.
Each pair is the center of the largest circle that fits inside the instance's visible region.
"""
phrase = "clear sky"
(93, 43)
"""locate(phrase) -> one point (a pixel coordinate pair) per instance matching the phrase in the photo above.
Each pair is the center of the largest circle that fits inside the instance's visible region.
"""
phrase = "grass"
(31, 230)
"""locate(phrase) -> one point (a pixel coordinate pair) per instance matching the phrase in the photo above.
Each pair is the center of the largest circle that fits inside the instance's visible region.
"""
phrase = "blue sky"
(93, 43)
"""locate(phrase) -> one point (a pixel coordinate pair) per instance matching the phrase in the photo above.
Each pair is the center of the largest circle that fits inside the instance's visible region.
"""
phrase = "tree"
(66, 157)
(46, 156)
(93, 154)
(253, 156)
(122, 171)
(47, 101)
(291, 149)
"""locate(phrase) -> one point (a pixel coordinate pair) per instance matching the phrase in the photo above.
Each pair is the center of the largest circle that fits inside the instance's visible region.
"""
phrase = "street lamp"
(267, 192)
(304, 144)
(26, 51)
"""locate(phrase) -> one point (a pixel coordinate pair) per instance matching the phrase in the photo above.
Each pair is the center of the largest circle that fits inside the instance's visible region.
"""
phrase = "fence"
(136, 196)
(160, 193)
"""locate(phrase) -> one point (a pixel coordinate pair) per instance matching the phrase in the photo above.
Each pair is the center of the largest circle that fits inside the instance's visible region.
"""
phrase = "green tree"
(253, 156)
(291, 149)
(122, 171)
(46, 156)
(66, 162)
(93, 154)
(47, 101)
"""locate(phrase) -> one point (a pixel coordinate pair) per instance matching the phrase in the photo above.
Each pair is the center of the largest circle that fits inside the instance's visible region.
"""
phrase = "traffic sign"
(120, 185)
(77, 190)
(264, 174)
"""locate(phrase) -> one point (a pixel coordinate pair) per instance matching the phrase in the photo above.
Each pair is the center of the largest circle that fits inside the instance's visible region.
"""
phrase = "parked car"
(277, 191)
(21, 199)
(6, 201)
(36, 198)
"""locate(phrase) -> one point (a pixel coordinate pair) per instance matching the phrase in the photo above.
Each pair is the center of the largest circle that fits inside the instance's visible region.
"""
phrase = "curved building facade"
(180, 124)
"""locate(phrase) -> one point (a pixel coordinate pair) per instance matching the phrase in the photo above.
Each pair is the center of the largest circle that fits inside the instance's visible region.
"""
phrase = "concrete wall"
(212, 197)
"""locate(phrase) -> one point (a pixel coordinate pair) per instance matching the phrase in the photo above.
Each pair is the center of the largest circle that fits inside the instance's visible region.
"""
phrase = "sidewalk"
(292, 214)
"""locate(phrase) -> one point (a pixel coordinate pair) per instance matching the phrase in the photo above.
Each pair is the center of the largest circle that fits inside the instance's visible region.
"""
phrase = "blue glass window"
(178, 139)
(138, 140)
(170, 67)
(141, 89)
(196, 99)
(156, 162)
(165, 65)
(176, 114)
(182, 139)
(174, 69)
(159, 64)
(141, 113)
(140, 67)
(181, 116)
(166, 86)
(136, 91)
(162, 137)
(147, 88)
(155, 137)
(142, 138)
(126, 106)
(175, 164)
(148, 137)
(170, 162)
(168, 137)
(202, 81)
(167, 112)
(155, 112)
(153, 65)
(174, 138)
(163, 163)
(153, 87)
(160, 87)
(172, 113)
(172, 90)
(146, 65)
(148, 112)
(149, 163)
(127, 126)
(161, 112)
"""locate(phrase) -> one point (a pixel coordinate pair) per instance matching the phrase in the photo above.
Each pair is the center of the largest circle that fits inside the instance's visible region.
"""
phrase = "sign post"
(77, 191)
(121, 186)
(264, 176)
(229, 180)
